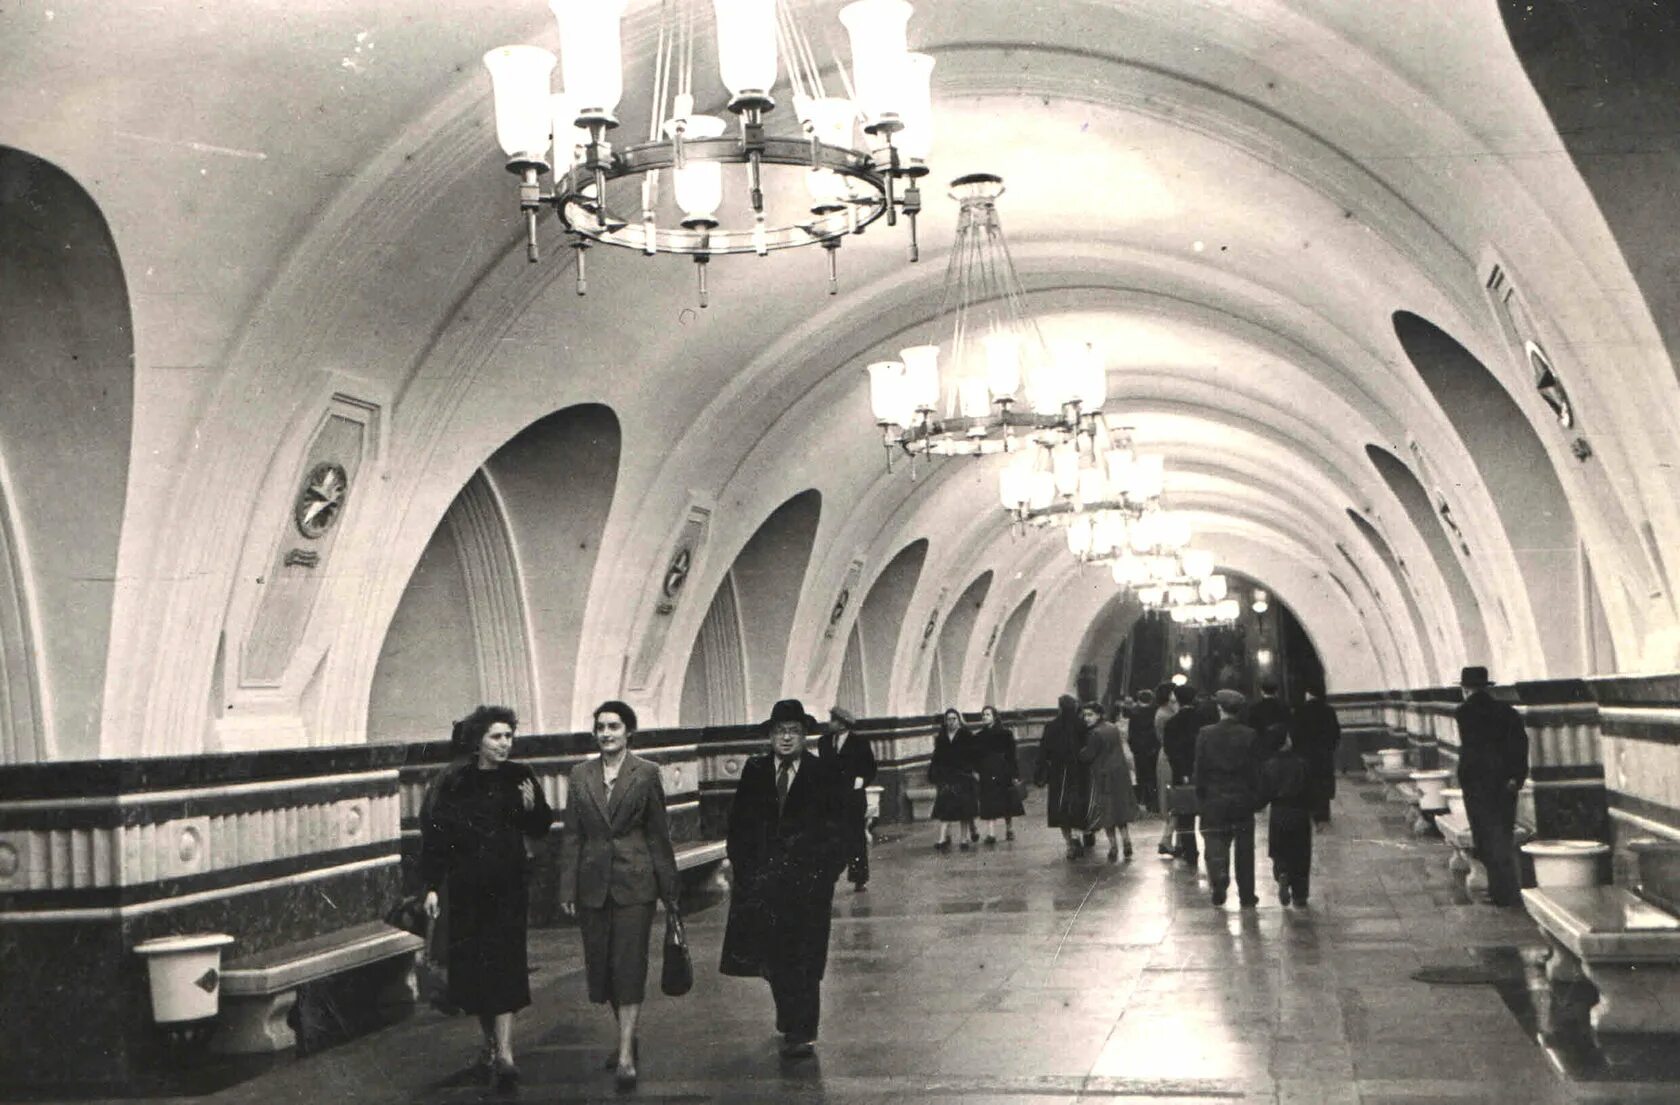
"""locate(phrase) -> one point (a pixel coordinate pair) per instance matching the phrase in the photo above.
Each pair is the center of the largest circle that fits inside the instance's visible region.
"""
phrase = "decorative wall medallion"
(732, 766)
(992, 640)
(1581, 448)
(189, 845)
(676, 574)
(352, 820)
(838, 610)
(302, 558)
(321, 500)
(932, 622)
(9, 862)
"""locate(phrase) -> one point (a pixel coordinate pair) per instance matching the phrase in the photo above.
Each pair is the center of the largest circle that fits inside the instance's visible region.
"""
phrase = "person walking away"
(1180, 744)
(1113, 801)
(472, 855)
(1492, 767)
(952, 771)
(1145, 747)
(1000, 775)
(1166, 705)
(1289, 831)
(783, 845)
(1069, 794)
(1227, 778)
(853, 764)
(616, 861)
(1315, 733)
(1270, 710)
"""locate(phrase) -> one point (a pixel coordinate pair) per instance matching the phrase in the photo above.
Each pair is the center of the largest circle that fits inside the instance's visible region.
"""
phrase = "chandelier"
(1193, 601)
(1068, 476)
(998, 375)
(614, 196)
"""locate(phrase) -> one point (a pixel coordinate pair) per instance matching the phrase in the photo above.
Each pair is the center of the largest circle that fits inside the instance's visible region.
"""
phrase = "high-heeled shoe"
(635, 1054)
(625, 1079)
(504, 1076)
(1127, 851)
(1114, 855)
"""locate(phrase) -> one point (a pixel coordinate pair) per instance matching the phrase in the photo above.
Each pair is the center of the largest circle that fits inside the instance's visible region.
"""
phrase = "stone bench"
(1455, 831)
(1627, 947)
(913, 795)
(259, 990)
(700, 853)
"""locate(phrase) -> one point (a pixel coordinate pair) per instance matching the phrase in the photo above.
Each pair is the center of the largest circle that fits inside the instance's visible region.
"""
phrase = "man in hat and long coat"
(853, 764)
(1492, 767)
(785, 845)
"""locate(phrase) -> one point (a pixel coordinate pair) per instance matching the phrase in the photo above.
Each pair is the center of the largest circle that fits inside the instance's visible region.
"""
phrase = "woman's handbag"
(1181, 798)
(676, 975)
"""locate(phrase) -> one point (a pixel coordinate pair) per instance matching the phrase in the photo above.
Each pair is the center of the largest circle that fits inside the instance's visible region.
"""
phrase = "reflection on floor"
(1009, 974)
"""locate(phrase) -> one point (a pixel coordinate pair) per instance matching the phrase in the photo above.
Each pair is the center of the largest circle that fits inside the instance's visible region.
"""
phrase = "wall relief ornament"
(321, 500)
(676, 574)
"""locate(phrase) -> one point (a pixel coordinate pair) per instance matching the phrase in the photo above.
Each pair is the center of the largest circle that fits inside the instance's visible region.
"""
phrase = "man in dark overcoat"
(1268, 711)
(784, 844)
(1492, 767)
(1146, 748)
(853, 764)
(1227, 778)
(1179, 742)
(1315, 732)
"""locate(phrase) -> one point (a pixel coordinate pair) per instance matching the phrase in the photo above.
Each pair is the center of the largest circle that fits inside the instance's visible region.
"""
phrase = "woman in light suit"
(616, 861)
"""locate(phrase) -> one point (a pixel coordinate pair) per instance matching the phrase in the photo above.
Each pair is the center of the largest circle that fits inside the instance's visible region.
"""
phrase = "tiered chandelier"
(613, 196)
(999, 376)
(1089, 474)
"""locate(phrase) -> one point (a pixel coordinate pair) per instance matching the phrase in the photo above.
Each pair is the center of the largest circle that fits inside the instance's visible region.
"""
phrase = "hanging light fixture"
(1095, 473)
(811, 189)
(995, 376)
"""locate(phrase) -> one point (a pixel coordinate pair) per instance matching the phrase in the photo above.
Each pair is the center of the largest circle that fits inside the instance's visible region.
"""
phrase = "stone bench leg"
(399, 990)
(1421, 824)
(1641, 998)
(255, 1024)
(1562, 967)
(1476, 881)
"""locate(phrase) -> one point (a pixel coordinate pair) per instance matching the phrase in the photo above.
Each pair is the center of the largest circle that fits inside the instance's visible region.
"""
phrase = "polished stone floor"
(1010, 975)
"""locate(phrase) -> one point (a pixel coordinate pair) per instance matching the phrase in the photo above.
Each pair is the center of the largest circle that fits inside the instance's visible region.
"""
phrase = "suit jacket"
(617, 847)
(853, 762)
(1179, 741)
(1492, 744)
(785, 863)
(1227, 771)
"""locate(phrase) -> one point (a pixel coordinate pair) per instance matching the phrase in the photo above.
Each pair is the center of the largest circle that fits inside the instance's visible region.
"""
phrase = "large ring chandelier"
(999, 376)
(1067, 475)
(614, 196)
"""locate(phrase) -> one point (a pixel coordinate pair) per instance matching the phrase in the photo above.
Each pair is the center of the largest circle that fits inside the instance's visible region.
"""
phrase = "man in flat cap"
(784, 848)
(1492, 767)
(1227, 778)
(852, 762)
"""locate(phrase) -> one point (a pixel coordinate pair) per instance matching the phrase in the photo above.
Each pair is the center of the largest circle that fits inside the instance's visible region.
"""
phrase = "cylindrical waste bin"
(186, 975)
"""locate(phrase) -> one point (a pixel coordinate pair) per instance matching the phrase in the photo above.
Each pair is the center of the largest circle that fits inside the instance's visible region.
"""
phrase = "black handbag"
(431, 973)
(676, 975)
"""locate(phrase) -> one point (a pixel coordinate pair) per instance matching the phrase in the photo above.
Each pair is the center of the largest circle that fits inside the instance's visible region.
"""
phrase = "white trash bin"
(186, 975)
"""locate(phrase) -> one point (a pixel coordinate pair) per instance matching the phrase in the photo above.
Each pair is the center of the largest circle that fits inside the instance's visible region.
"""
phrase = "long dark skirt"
(1069, 803)
(957, 799)
(998, 796)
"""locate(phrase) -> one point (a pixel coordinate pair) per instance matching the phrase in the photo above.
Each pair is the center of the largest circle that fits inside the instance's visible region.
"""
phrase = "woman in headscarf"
(1000, 775)
(1113, 801)
(472, 842)
(1067, 778)
(953, 771)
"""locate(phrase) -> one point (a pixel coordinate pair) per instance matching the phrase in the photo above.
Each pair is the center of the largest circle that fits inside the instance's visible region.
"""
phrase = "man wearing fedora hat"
(1492, 767)
(784, 844)
(853, 764)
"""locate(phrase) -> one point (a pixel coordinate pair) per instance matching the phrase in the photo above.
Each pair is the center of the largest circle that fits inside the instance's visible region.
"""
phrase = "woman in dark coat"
(1113, 801)
(472, 843)
(1068, 779)
(954, 770)
(1000, 775)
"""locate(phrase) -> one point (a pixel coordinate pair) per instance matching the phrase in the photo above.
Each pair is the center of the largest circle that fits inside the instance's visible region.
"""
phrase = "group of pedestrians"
(1087, 770)
(976, 777)
(795, 825)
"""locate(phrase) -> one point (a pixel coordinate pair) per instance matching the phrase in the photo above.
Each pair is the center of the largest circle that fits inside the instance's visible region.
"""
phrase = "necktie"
(784, 776)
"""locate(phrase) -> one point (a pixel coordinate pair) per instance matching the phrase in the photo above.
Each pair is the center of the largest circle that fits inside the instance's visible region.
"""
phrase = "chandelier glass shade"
(673, 192)
(994, 380)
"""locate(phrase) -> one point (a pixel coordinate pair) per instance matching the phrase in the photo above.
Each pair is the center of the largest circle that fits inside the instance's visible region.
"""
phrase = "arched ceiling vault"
(1261, 184)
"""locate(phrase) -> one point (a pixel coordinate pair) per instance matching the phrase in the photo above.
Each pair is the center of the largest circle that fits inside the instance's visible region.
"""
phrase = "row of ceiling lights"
(999, 386)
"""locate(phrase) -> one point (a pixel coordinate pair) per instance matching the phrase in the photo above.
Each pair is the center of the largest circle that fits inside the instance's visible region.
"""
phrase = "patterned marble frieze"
(141, 840)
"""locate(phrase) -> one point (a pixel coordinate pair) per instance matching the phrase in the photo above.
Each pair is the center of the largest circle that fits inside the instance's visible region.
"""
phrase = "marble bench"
(258, 991)
(1455, 830)
(700, 853)
(1627, 947)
